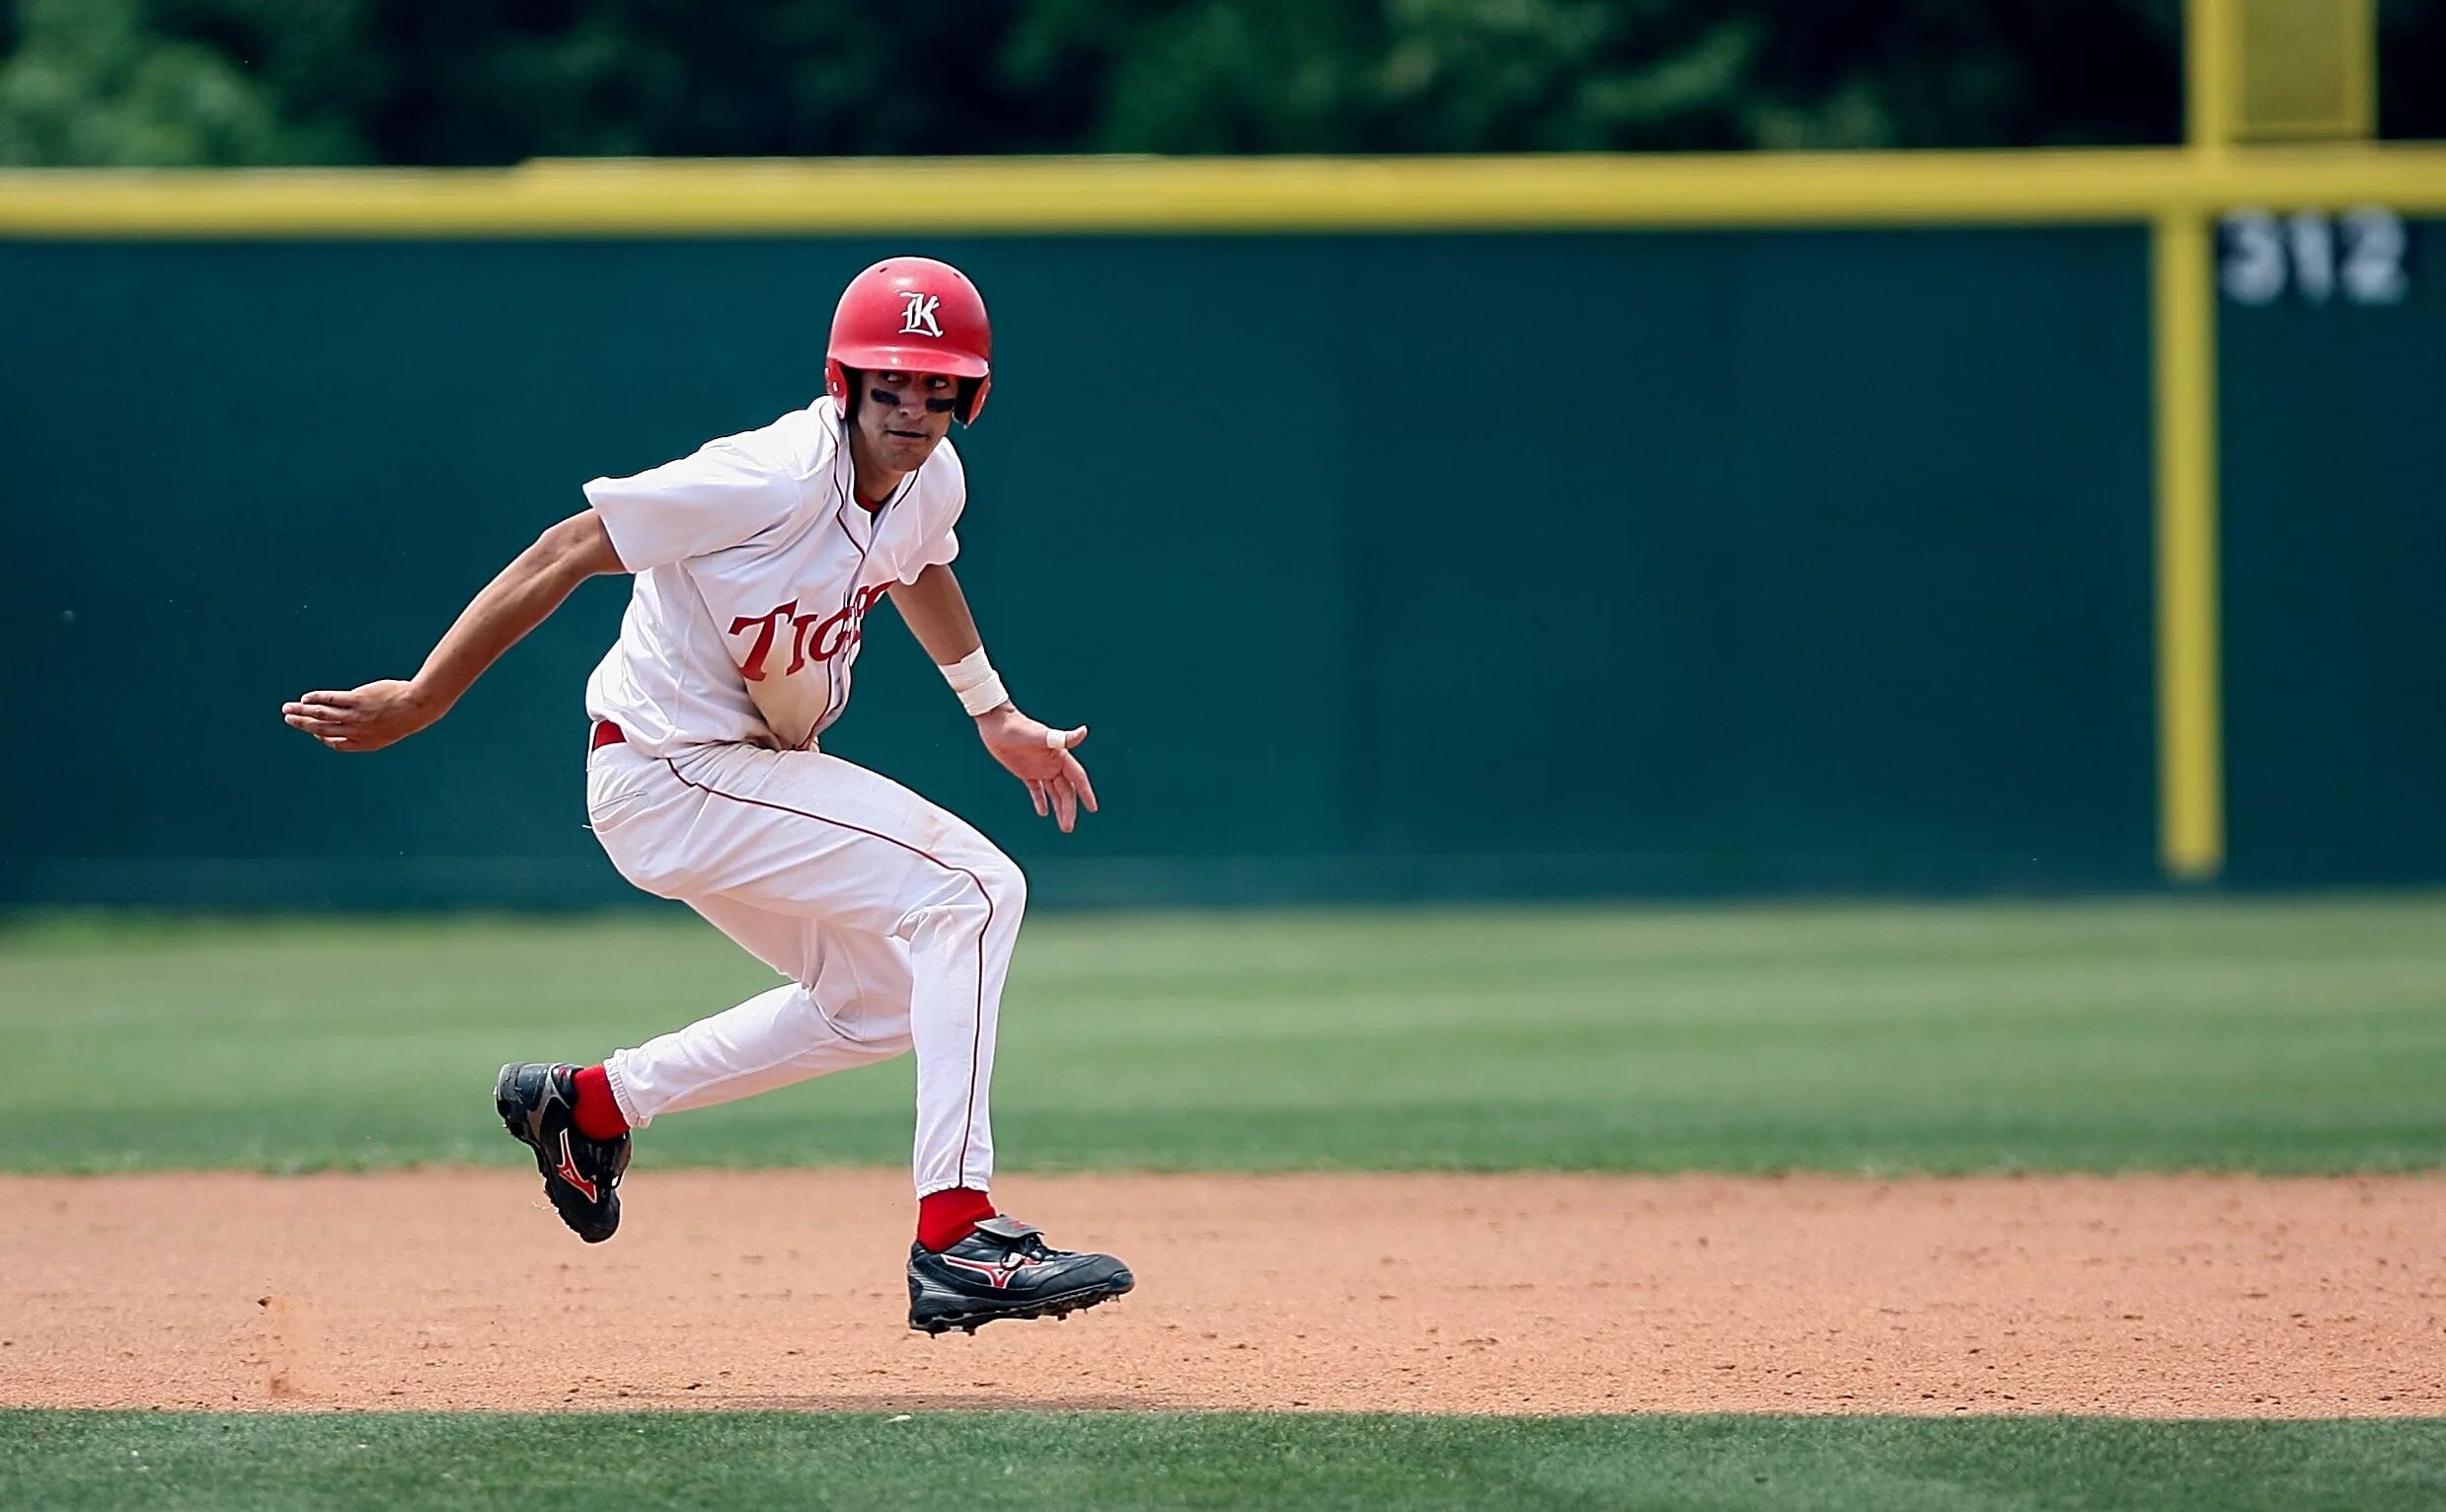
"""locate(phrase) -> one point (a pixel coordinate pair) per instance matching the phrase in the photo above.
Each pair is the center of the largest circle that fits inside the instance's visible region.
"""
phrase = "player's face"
(903, 415)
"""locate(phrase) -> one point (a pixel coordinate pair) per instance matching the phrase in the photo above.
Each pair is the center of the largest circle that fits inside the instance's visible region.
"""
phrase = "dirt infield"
(2155, 1296)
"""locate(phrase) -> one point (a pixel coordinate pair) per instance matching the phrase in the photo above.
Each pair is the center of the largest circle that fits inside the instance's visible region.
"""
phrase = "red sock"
(597, 1112)
(945, 1218)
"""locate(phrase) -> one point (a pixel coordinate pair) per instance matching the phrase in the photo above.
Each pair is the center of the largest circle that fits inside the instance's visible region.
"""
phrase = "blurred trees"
(498, 81)
(1470, 75)
(98, 82)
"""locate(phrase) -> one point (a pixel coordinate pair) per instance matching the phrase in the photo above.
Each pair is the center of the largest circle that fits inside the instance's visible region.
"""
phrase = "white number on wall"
(2316, 258)
(2374, 256)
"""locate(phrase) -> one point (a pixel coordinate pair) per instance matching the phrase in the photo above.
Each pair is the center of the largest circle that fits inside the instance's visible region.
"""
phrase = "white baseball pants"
(893, 919)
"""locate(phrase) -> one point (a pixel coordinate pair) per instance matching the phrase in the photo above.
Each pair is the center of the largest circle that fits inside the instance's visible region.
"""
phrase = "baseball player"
(755, 562)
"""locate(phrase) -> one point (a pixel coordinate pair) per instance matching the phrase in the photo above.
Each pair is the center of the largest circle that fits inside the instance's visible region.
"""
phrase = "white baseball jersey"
(755, 566)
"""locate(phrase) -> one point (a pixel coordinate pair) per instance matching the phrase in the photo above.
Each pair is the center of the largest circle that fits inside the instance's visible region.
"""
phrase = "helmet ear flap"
(972, 392)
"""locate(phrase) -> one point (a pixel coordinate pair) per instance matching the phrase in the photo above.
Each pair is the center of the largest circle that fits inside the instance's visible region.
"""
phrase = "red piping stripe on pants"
(976, 1037)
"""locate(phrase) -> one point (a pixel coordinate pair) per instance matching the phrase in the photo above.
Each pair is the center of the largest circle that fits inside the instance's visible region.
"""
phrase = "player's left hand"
(363, 718)
(1056, 783)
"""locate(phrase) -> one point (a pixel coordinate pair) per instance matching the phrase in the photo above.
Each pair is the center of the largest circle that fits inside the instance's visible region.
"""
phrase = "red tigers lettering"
(813, 637)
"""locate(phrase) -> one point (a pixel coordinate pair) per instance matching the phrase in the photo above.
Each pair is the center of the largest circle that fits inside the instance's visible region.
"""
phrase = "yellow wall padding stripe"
(1050, 195)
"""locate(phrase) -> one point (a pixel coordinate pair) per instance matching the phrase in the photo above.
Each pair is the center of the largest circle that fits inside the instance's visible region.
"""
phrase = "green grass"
(2270, 1035)
(1012, 1462)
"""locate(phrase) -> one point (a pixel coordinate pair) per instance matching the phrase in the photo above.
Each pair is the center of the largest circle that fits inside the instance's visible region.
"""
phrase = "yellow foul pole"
(2190, 744)
(2190, 734)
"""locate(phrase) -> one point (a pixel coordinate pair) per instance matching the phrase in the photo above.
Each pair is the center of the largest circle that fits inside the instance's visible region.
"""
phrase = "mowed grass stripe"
(2278, 1035)
(586, 1462)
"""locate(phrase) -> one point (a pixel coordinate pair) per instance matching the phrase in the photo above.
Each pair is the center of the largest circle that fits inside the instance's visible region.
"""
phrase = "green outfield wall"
(2334, 453)
(1661, 562)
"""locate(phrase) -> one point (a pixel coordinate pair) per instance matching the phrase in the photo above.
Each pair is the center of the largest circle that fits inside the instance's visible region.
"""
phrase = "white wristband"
(976, 682)
(985, 697)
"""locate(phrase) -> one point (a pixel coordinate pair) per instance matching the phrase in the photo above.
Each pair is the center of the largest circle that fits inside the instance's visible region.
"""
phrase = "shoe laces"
(1034, 1246)
(598, 1159)
(1029, 1245)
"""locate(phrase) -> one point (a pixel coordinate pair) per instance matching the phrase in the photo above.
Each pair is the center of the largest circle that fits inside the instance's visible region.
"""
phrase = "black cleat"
(582, 1176)
(1005, 1269)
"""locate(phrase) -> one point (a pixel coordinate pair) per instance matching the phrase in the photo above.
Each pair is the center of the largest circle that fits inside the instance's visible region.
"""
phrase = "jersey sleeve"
(713, 498)
(935, 552)
(940, 543)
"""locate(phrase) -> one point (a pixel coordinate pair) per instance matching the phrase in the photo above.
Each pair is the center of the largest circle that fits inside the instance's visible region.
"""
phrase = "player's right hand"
(362, 718)
(1056, 784)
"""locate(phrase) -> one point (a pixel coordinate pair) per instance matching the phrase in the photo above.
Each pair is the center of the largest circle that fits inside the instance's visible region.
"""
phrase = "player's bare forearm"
(1036, 753)
(936, 614)
(523, 595)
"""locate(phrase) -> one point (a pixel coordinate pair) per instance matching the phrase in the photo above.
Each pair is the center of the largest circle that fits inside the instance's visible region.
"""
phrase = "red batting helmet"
(914, 315)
